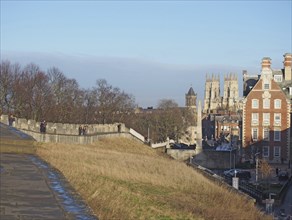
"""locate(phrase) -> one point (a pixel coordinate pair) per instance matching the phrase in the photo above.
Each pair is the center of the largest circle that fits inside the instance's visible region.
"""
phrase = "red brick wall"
(276, 93)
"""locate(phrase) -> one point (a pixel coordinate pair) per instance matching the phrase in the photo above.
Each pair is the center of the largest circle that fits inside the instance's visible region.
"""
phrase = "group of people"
(82, 130)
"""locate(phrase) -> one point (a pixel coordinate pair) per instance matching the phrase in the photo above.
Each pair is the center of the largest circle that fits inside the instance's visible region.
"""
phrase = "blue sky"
(150, 49)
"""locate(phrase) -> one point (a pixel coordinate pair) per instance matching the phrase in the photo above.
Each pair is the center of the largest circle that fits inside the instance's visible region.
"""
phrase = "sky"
(151, 49)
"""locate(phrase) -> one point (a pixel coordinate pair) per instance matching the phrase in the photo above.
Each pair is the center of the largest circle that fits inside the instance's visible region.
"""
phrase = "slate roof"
(191, 92)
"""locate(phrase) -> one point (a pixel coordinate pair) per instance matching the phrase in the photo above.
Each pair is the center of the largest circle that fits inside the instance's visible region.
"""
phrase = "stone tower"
(230, 96)
(212, 99)
(191, 99)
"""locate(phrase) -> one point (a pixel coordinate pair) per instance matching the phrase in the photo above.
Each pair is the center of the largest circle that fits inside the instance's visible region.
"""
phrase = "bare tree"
(265, 169)
(90, 105)
(167, 104)
(8, 75)
(33, 94)
(67, 97)
(112, 103)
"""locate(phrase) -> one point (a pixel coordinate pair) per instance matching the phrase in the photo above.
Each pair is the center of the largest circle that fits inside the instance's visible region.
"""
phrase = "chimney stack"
(266, 63)
(287, 66)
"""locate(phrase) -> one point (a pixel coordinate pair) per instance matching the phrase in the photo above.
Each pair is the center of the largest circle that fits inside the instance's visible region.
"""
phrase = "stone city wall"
(67, 129)
(73, 139)
(219, 159)
(69, 134)
(181, 154)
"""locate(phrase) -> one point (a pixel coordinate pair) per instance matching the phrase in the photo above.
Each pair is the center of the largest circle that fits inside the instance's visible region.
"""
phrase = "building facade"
(267, 114)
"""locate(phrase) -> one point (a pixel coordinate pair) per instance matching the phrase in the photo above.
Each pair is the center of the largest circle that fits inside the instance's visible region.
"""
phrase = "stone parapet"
(68, 133)
(67, 129)
(72, 139)
(181, 155)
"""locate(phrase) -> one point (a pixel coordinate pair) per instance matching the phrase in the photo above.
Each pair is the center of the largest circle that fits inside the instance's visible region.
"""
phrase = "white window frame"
(253, 131)
(266, 86)
(277, 131)
(266, 103)
(278, 150)
(266, 118)
(255, 118)
(278, 78)
(277, 103)
(255, 103)
(266, 151)
(277, 122)
(266, 131)
(290, 90)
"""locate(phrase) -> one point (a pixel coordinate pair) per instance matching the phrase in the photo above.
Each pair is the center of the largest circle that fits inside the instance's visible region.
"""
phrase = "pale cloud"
(148, 81)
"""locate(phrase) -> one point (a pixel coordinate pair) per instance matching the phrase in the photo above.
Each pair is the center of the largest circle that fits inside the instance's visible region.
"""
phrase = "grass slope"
(123, 179)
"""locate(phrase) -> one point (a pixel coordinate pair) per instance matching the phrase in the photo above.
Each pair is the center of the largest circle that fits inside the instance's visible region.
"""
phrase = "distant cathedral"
(213, 101)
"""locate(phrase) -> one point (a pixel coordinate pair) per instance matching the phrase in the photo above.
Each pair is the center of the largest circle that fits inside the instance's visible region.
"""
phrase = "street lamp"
(257, 166)
(230, 157)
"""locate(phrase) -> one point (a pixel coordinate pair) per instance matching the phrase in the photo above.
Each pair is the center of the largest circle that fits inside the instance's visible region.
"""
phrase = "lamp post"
(148, 134)
(230, 157)
(230, 166)
(257, 166)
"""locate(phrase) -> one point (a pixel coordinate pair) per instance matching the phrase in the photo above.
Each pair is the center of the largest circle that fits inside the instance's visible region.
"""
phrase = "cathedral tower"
(230, 96)
(212, 99)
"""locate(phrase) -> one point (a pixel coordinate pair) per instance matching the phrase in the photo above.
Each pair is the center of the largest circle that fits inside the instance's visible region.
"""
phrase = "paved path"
(8, 132)
(24, 191)
(30, 189)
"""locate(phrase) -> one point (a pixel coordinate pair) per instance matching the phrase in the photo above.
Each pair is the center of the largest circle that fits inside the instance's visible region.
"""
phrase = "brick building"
(267, 114)
(227, 125)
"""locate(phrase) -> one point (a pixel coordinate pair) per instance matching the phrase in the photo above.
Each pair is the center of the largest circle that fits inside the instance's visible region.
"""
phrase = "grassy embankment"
(123, 179)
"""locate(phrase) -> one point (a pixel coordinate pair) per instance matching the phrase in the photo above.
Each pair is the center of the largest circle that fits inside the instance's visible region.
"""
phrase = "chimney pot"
(287, 60)
(266, 62)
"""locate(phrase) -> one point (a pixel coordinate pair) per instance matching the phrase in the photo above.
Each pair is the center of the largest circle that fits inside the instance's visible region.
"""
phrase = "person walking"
(80, 130)
(11, 119)
(43, 126)
(84, 130)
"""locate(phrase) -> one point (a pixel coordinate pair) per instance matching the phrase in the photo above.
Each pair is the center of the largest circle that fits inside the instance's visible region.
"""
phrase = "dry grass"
(122, 179)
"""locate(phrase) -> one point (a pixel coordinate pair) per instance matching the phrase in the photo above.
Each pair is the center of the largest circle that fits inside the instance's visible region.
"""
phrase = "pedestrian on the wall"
(43, 126)
(11, 119)
(80, 130)
(84, 130)
(277, 171)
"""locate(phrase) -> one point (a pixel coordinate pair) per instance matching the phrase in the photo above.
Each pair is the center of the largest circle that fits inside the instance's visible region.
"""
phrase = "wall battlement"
(66, 129)
(68, 133)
